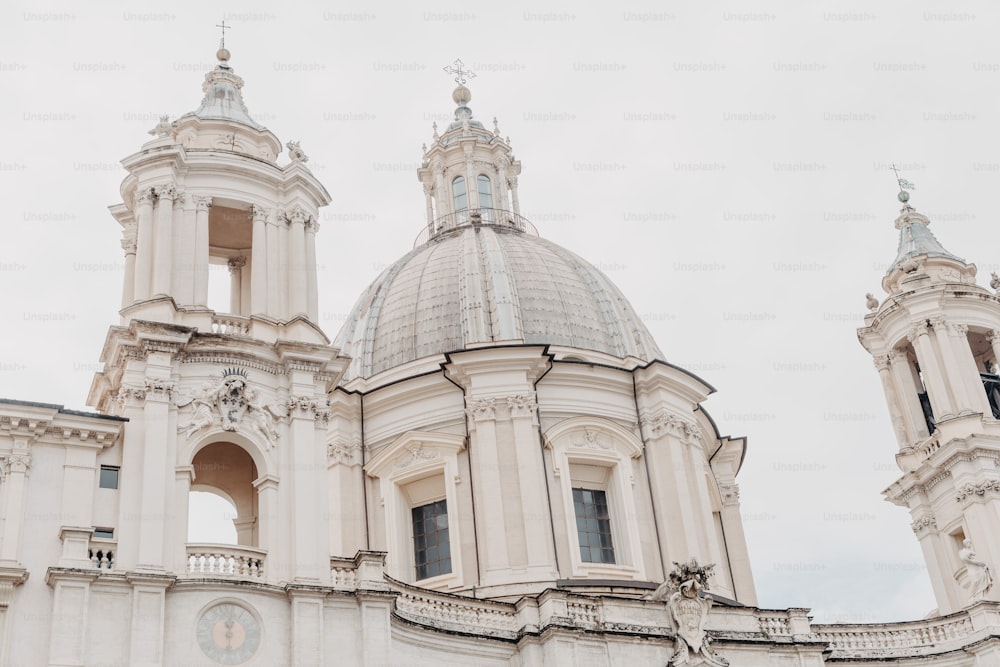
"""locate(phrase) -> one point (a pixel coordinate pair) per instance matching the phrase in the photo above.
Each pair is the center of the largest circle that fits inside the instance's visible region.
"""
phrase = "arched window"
(485, 192)
(459, 194)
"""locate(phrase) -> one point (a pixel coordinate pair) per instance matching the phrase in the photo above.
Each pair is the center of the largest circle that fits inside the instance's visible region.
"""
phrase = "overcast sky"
(727, 165)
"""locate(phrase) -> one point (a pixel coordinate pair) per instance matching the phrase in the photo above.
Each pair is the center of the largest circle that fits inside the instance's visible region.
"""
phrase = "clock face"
(228, 634)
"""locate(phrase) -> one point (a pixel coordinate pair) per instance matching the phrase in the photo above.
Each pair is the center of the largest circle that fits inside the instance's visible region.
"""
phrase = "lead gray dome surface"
(484, 284)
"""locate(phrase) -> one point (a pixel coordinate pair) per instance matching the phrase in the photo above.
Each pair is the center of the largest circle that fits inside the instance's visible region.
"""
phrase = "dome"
(488, 284)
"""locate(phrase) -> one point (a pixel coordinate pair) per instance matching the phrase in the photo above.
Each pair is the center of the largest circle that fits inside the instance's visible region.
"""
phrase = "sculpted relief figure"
(687, 611)
(226, 403)
(980, 579)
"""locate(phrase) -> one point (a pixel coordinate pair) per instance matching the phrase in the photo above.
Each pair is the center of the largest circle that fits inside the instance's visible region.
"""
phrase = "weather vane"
(222, 43)
(904, 185)
(458, 69)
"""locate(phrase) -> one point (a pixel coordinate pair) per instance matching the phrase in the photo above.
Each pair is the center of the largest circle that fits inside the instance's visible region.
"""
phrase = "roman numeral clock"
(228, 633)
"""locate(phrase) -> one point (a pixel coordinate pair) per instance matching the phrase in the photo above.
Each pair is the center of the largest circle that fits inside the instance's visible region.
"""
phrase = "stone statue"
(980, 579)
(871, 302)
(687, 611)
(203, 410)
(261, 417)
(295, 152)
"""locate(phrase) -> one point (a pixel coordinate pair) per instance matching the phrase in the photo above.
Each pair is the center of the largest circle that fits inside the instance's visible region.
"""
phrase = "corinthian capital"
(168, 192)
(202, 203)
(145, 196)
(915, 332)
(258, 212)
(882, 362)
(296, 214)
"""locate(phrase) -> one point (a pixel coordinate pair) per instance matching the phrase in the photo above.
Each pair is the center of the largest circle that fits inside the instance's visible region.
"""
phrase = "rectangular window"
(109, 477)
(104, 533)
(431, 546)
(593, 526)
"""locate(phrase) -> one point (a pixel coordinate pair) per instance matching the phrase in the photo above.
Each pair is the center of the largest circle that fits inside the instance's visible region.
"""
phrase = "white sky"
(725, 164)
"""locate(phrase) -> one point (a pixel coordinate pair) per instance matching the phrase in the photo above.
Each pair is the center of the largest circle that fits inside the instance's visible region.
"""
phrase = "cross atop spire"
(458, 69)
(222, 42)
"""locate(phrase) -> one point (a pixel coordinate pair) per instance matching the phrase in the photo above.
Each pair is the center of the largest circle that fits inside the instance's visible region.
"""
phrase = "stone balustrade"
(456, 613)
(102, 554)
(231, 325)
(895, 640)
(225, 560)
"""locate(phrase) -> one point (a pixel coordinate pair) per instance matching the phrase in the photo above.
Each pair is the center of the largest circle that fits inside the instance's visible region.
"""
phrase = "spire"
(223, 97)
(919, 254)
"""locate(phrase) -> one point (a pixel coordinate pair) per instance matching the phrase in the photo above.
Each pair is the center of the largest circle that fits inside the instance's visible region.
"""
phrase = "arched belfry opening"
(228, 471)
(230, 246)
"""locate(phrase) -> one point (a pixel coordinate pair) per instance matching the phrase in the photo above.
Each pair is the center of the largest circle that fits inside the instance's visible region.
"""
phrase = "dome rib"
(481, 285)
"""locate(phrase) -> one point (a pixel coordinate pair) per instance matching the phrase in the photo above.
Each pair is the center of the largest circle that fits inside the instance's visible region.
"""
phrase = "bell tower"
(207, 189)
(935, 340)
(235, 402)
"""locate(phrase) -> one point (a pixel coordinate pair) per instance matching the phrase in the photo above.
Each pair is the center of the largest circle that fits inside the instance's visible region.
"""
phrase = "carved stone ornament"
(342, 451)
(521, 405)
(231, 402)
(730, 493)
(926, 522)
(981, 489)
(590, 440)
(296, 153)
(481, 408)
(16, 462)
(414, 455)
(687, 611)
(163, 128)
(664, 422)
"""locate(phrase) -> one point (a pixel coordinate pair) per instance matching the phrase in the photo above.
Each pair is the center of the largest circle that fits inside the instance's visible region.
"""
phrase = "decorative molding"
(883, 362)
(522, 405)
(415, 454)
(129, 245)
(16, 462)
(590, 440)
(159, 388)
(237, 263)
(130, 392)
(229, 401)
(923, 524)
(665, 422)
(481, 409)
(730, 493)
(980, 489)
(342, 451)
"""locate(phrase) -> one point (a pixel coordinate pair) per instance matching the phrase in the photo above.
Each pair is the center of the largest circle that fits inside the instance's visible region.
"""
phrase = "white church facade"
(491, 464)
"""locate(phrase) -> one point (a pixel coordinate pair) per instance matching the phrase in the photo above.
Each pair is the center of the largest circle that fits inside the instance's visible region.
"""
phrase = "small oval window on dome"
(485, 196)
(460, 197)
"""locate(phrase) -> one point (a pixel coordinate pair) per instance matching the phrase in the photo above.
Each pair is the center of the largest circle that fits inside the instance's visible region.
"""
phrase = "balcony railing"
(472, 217)
(231, 325)
(225, 560)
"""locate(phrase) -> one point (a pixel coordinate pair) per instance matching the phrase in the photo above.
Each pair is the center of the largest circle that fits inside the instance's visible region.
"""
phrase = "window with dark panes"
(431, 546)
(593, 526)
(109, 477)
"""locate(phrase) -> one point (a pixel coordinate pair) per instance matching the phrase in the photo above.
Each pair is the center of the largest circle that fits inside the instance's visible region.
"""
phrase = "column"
(739, 559)
(200, 254)
(284, 311)
(429, 203)
(513, 196)
(311, 554)
(144, 243)
(163, 233)
(128, 288)
(904, 379)
(531, 482)
(274, 305)
(177, 560)
(258, 261)
(994, 337)
(156, 464)
(236, 265)
(503, 196)
(9, 579)
(312, 288)
(184, 244)
(296, 262)
(267, 515)
(933, 376)
(307, 626)
(892, 400)
(668, 485)
(70, 606)
(953, 370)
(489, 498)
(471, 186)
(963, 351)
(947, 593)
(15, 468)
(148, 619)
(443, 194)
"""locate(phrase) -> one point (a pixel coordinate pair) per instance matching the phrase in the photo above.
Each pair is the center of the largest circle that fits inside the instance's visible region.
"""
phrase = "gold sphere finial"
(462, 95)
(223, 55)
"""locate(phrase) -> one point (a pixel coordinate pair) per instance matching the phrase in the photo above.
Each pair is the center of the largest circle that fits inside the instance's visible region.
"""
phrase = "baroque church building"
(491, 463)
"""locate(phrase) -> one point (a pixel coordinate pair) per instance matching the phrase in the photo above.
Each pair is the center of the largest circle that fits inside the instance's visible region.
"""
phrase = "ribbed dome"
(488, 284)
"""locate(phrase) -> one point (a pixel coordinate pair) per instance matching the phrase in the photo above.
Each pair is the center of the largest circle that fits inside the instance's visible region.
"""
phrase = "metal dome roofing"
(482, 284)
